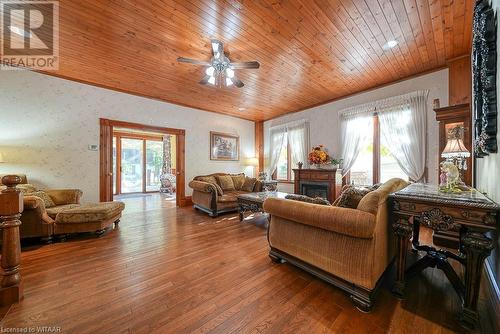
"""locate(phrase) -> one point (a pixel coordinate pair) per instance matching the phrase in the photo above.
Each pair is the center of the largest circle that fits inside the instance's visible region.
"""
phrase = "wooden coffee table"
(253, 201)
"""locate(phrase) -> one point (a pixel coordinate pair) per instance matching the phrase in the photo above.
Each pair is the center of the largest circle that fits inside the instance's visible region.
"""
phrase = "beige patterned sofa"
(217, 193)
(350, 248)
(58, 212)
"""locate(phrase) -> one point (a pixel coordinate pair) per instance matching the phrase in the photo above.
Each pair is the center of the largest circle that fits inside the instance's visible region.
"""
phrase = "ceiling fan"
(220, 70)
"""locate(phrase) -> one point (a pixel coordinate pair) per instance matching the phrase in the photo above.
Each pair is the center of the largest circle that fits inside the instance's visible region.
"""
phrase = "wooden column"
(259, 145)
(460, 80)
(11, 206)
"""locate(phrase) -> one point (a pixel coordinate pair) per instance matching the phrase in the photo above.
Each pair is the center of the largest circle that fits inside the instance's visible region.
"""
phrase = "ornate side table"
(470, 213)
(253, 201)
(269, 185)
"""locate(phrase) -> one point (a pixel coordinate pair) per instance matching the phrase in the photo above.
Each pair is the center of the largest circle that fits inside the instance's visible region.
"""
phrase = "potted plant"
(336, 162)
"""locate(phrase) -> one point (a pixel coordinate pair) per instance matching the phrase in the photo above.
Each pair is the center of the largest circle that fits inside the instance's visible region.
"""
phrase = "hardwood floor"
(170, 270)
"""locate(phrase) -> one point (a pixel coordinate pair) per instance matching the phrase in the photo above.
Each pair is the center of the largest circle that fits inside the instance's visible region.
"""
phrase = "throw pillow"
(249, 184)
(26, 188)
(211, 180)
(307, 199)
(238, 180)
(225, 182)
(351, 196)
(47, 200)
(369, 203)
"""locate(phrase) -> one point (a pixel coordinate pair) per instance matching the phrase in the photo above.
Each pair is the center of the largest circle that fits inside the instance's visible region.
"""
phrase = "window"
(375, 163)
(284, 171)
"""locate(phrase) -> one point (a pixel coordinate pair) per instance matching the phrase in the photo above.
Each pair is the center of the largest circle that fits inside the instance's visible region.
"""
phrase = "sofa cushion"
(238, 180)
(45, 198)
(53, 211)
(249, 184)
(211, 179)
(307, 199)
(225, 182)
(351, 196)
(228, 197)
(89, 213)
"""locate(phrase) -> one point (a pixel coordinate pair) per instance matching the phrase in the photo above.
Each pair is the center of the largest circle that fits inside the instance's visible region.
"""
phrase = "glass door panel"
(154, 163)
(131, 165)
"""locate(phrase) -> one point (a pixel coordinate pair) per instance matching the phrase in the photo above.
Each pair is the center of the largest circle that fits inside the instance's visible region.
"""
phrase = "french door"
(137, 163)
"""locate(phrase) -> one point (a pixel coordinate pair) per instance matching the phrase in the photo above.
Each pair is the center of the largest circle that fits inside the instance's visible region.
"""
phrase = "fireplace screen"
(314, 189)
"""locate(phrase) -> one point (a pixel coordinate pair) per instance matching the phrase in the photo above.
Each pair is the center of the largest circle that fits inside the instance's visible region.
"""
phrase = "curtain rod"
(382, 103)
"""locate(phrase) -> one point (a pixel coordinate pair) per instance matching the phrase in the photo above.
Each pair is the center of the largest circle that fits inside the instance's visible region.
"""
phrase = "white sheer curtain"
(298, 138)
(277, 136)
(403, 131)
(354, 135)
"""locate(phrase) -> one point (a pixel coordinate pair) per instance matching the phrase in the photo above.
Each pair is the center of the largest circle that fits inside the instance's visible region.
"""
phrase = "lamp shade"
(1, 158)
(254, 162)
(455, 148)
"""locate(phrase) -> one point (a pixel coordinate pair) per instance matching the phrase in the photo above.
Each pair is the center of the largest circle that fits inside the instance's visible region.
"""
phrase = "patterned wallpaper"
(48, 124)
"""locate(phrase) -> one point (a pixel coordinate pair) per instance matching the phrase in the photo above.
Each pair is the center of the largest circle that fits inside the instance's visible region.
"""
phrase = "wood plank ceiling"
(311, 51)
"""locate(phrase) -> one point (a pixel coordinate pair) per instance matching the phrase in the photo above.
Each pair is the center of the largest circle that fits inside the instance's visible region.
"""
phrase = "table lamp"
(456, 155)
(252, 162)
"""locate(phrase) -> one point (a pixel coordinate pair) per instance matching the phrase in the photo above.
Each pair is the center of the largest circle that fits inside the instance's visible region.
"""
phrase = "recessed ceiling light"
(242, 109)
(19, 31)
(390, 44)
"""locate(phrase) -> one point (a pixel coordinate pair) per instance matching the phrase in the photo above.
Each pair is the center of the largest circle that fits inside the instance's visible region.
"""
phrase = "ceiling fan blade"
(204, 81)
(245, 64)
(217, 48)
(193, 61)
(237, 82)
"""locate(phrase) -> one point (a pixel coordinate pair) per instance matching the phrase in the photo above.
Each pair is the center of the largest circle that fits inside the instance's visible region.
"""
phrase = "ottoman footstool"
(91, 217)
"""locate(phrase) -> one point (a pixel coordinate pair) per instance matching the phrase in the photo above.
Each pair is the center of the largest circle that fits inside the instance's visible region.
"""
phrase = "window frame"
(376, 154)
(289, 171)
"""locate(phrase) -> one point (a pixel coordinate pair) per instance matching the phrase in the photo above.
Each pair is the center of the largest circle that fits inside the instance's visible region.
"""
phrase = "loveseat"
(350, 248)
(217, 193)
(52, 212)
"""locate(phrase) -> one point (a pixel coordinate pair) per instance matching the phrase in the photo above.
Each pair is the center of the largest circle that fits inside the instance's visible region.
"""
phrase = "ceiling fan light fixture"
(229, 82)
(229, 73)
(210, 71)
(211, 81)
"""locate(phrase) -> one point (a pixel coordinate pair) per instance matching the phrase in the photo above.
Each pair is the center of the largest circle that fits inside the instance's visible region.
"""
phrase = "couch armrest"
(65, 196)
(37, 206)
(33, 202)
(258, 187)
(350, 222)
(204, 187)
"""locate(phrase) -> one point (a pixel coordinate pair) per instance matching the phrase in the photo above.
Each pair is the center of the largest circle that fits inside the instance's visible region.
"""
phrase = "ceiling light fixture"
(390, 44)
(242, 109)
(229, 82)
(20, 32)
(210, 71)
(211, 80)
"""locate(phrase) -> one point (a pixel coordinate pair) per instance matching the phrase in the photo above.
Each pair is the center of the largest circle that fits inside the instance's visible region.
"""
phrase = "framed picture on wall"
(225, 147)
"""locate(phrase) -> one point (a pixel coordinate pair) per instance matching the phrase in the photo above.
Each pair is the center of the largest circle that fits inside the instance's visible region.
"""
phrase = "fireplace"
(315, 189)
(325, 183)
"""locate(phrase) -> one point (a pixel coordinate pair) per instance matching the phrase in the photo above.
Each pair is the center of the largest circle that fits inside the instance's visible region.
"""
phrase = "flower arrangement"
(318, 155)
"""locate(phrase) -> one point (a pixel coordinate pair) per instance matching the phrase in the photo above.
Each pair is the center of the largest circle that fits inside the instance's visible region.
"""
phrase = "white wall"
(324, 120)
(47, 124)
